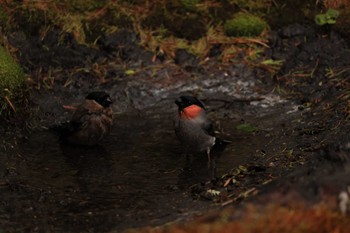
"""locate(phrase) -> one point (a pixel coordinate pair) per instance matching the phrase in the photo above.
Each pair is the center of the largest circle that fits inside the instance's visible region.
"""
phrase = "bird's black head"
(185, 101)
(100, 97)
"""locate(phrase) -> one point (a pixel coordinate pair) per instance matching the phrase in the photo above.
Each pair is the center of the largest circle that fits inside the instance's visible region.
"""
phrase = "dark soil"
(139, 176)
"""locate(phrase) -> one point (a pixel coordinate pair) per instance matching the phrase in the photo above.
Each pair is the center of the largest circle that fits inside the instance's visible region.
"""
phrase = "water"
(138, 176)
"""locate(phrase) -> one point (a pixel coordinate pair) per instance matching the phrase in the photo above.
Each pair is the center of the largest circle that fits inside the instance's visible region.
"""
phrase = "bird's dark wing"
(79, 119)
(84, 112)
(65, 129)
(208, 127)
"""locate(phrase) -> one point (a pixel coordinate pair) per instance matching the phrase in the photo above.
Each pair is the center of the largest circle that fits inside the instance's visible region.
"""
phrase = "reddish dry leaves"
(272, 219)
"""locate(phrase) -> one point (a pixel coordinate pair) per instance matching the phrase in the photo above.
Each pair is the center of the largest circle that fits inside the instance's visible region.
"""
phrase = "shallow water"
(138, 176)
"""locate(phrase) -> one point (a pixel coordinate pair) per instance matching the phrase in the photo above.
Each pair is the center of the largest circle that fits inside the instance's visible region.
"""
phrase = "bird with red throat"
(193, 128)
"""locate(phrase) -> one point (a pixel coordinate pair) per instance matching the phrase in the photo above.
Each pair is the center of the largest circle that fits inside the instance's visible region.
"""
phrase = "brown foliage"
(272, 219)
(336, 3)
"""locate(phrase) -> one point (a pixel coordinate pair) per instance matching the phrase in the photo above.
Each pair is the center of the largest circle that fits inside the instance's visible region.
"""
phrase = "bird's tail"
(220, 144)
(60, 128)
(63, 130)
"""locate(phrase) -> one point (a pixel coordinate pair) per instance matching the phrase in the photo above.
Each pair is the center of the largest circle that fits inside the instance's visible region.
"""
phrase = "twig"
(10, 103)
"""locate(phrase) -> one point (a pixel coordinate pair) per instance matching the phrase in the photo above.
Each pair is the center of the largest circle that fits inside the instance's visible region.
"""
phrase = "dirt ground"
(294, 140)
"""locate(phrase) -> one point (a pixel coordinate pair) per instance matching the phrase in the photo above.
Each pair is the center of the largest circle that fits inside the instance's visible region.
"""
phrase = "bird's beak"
(108, 100)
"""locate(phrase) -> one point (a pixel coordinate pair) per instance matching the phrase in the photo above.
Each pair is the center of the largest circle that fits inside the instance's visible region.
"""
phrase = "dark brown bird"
(192, 126)
(91, 121)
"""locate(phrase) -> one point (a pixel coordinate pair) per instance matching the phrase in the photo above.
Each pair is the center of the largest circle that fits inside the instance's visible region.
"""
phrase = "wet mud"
(140, 176)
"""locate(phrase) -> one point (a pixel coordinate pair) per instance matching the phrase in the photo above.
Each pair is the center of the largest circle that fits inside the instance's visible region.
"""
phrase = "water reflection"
(140, 171)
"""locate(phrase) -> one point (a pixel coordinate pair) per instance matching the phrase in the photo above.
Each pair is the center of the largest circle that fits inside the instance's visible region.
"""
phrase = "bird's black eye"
(100, 97)
(108, 100)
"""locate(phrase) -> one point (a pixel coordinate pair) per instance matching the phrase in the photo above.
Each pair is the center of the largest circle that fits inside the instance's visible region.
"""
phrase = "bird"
(91, 122)
(193, 128)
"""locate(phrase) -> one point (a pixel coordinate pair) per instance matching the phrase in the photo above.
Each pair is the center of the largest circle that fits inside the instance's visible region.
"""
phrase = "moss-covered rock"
(12, 81)
(245, 24)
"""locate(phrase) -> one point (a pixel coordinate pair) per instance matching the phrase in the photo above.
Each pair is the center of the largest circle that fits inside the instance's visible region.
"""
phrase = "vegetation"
(190, 5)
(293, 218)
(162, 26)
(184, 22)
(330, 17)
(245, 24)
(12, 82)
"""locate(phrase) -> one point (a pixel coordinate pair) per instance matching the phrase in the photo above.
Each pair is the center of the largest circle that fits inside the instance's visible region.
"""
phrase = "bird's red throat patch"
(191, 112)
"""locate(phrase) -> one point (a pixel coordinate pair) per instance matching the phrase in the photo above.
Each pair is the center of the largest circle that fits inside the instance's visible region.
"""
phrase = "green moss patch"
(12, 81)
(245, 24)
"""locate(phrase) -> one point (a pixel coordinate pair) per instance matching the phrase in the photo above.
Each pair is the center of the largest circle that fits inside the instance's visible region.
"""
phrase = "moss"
(245, 24)
(12, 80)
(11, 74)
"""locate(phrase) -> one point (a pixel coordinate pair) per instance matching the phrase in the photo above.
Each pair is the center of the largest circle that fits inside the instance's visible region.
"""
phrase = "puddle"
(138, 176)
